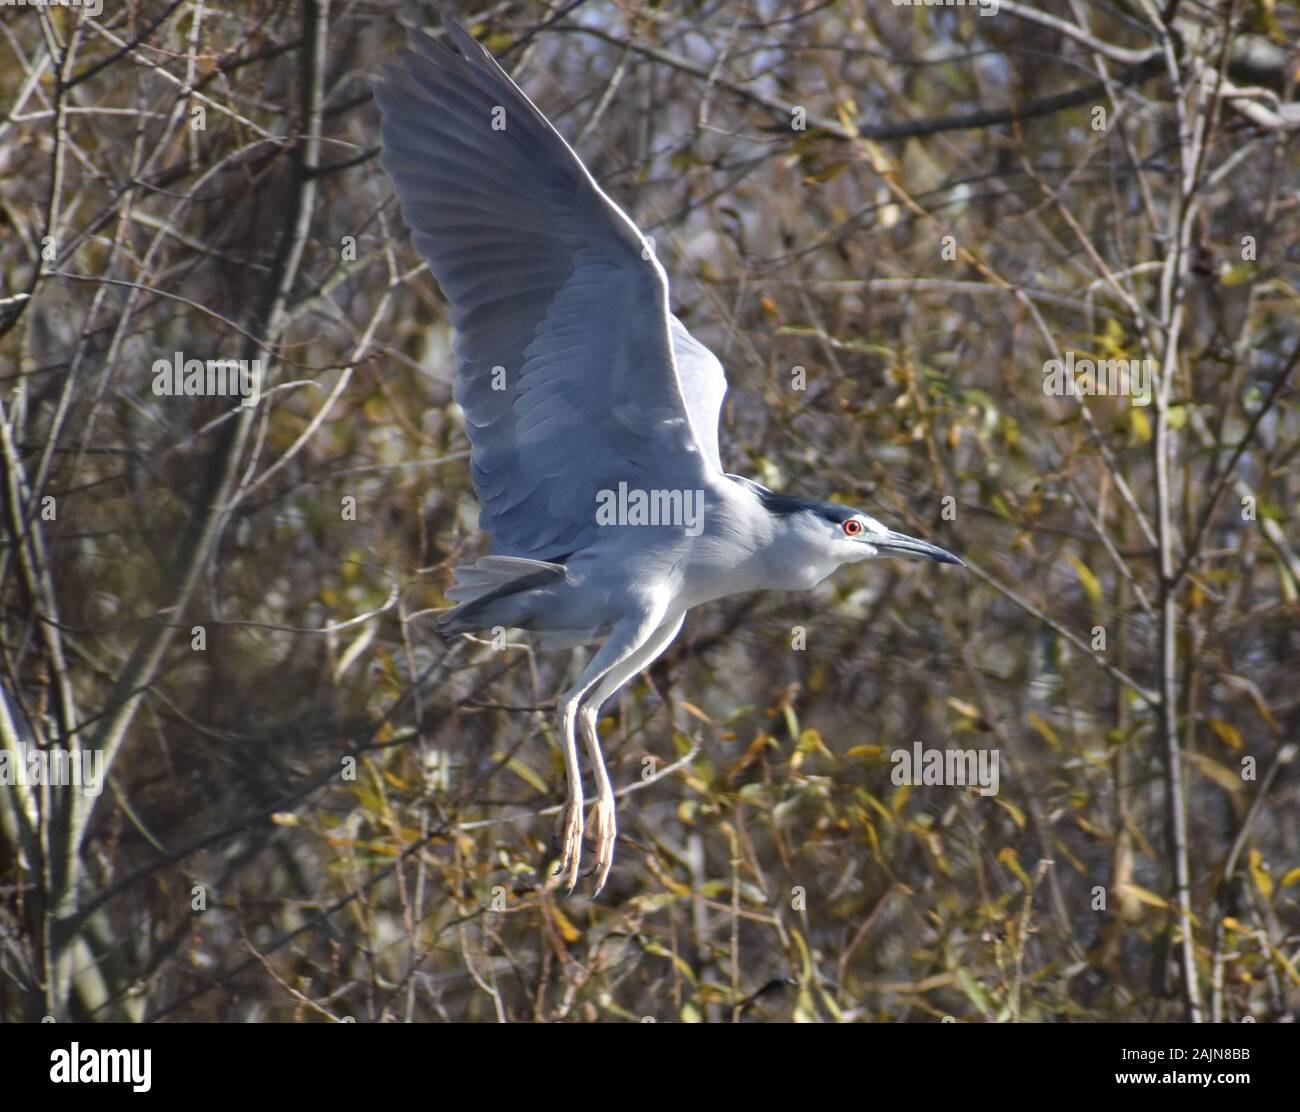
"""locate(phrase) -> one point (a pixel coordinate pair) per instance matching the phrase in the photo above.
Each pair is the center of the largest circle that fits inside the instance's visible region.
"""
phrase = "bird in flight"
(592, 412)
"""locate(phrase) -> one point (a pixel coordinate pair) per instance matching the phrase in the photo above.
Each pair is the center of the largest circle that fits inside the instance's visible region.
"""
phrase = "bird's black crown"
(783, 504)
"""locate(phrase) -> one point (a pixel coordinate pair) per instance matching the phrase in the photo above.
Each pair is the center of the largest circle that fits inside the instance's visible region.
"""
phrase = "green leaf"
(972, 989)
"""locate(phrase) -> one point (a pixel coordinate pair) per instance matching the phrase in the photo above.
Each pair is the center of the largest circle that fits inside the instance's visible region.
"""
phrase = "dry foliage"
(315, 810)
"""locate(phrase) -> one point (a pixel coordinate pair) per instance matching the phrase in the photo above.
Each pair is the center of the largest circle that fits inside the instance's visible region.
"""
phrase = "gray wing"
(568, 367)
(703, 384)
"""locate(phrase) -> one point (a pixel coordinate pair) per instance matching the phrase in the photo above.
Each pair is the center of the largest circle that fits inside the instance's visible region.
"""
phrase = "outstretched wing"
(568, 357)
(703, 384)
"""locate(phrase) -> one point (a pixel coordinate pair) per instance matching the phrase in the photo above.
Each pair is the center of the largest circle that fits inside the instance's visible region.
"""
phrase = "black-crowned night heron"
(592, 412)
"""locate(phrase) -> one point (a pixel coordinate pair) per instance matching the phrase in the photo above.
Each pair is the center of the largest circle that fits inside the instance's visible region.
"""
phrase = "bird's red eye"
(852, 527)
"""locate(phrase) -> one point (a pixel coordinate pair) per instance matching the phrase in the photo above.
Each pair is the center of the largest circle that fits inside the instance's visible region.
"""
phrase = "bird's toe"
(604, 827)
(570, 835)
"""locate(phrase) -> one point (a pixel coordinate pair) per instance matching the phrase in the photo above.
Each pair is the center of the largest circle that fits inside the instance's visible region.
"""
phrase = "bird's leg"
(624, 640)
(570, 825)
(602, 820)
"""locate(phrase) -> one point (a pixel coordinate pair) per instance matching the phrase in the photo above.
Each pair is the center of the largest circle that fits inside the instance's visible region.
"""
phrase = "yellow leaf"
(527, 775)
(1239, 274)
(678, 963)
(872, 836)
(1259, 874)
(805, 958)
(1017, 815)
(899, 801)
(1292, 876)
(1285, 963)
(498, 42)
(879, 159)
(1144, 895)
(827, 173)
(846, 118)
(1228, 733)
(879, 807)
(1049, 735)
(695, 712)
(1064, 850)
(676, 887)
(1213, 770)
(567, 930)
(810, 741)
(1090, 583)
(1141, 425)
(1007, 856)
(1091, 828)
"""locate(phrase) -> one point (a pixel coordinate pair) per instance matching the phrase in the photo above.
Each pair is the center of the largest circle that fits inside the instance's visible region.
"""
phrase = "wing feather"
(572, 373)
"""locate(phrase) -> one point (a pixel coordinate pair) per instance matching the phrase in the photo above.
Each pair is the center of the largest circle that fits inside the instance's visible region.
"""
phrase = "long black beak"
(900, 544)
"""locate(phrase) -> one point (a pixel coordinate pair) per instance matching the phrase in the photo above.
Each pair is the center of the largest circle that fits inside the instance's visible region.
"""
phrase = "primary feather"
(572, 373)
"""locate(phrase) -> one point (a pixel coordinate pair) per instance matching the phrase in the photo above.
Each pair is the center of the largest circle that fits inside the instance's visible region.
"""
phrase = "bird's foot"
(569, 833)
(604, 829)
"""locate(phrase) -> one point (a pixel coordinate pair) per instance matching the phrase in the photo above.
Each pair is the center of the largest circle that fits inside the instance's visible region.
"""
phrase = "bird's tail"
(484, 592)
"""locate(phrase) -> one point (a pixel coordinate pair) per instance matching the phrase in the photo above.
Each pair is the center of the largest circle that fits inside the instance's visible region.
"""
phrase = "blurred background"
(887, 221)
